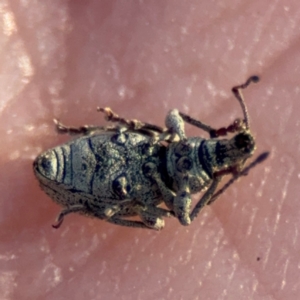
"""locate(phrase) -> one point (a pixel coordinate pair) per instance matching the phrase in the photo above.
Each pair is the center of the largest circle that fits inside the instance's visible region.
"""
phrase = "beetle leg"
(151, 220)
(66, 211)
(165, 136)
(152, 215)
(182, 202)
(161, 212)
(150, 170)
(134, 125)
(179, 203)
(111, 210)
(196, 123)
(175, 125)
(83, 130)
(128, 223)
(238, 125)
(167, 194)
(235, 177)
(205, 198)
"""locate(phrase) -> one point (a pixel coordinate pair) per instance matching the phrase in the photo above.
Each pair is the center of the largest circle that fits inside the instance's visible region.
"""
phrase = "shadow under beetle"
(127, 170)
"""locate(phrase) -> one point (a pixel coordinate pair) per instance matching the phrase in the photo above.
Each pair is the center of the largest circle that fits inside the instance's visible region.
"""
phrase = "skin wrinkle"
(244, 263)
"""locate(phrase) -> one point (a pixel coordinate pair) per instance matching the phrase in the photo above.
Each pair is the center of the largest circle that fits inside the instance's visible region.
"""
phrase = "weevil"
(131, 168)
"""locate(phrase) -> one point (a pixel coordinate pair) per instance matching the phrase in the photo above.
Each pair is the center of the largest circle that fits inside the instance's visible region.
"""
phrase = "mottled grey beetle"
(128, 170)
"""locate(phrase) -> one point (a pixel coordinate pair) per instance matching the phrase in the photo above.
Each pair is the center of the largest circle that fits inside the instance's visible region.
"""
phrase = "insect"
(131, 168)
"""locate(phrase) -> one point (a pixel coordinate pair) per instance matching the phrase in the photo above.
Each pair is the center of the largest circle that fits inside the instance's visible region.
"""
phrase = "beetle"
(131, 168)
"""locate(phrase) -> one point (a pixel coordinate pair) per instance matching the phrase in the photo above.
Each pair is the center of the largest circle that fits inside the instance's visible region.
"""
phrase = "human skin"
(62, 59)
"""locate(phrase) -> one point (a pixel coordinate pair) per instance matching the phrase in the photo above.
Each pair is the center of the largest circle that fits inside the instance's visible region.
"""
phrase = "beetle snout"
(245, 142)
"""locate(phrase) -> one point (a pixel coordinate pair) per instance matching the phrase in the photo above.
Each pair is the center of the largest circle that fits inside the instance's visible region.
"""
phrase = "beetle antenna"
(237, 91)
(262, 157)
